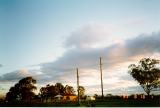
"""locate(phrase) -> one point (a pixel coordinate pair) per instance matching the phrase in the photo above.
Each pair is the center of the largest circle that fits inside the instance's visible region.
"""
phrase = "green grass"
(126, 103)
(98, 103)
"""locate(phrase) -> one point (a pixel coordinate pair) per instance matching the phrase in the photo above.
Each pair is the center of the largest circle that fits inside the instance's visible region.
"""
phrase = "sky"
(50, 39)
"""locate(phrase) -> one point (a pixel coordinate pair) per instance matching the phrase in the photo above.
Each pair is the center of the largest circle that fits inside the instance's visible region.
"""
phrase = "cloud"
(92, 35)
(22, 73)
(88, 58)
(145, 43)
(84, 55)
(115, 57)
(16, 75)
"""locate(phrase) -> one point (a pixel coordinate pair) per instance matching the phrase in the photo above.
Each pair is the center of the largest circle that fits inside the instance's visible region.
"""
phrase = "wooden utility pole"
(78, 86)
(101, 76)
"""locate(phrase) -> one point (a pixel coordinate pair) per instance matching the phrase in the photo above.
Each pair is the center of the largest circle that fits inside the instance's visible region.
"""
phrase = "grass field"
(126, 103)
(98, 103)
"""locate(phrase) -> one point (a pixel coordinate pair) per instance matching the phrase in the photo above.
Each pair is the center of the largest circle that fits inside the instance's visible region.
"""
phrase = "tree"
(96, 96)
(22, 91)
(147, 73)
(43, 93)
(48, 92)
(81, 91)
(11, 96)
(69, 90)
(51, 91)
(59, 88)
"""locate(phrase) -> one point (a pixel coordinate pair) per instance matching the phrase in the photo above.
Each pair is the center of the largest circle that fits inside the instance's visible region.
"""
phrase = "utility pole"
(78, 86)
(101, 76)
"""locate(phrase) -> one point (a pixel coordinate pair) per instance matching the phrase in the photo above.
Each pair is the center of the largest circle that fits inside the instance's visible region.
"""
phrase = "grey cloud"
(83, 58)
(72, 59)
(87, 36)
(145, 43)
(12, 76)
(19, 74)
(88, 58)
(1, 65)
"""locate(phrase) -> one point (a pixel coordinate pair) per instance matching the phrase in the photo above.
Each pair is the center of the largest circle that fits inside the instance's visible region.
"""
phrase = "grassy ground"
(126, 103)
(98, 103)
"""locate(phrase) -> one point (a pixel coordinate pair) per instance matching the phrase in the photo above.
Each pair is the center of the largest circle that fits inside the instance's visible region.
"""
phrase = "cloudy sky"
(50, 39)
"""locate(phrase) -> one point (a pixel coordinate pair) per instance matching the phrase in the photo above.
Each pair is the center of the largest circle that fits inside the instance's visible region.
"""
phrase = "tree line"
(24, 91)
(50, 91)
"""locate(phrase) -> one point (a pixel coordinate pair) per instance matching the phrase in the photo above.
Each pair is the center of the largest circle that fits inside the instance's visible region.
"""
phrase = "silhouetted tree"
(23, 90)
(147, 73)
(43, 93)
(59, 88)
(52, 90)
(11, 95)
(69, 90)
(96, 95)
(81, 91)
(48, 92)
